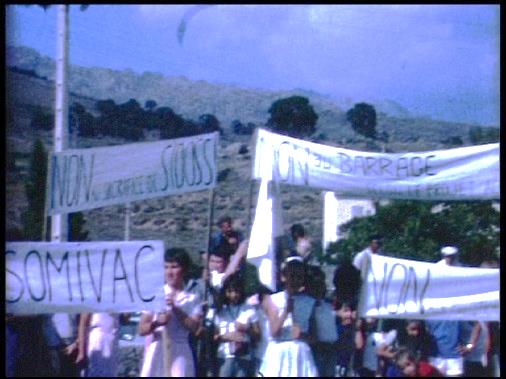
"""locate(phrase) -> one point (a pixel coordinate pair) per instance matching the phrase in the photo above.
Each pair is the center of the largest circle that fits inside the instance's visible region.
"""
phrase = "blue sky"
(436, 60)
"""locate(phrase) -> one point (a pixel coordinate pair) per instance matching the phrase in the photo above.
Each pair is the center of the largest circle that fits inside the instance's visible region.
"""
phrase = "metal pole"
(250, 204)
(209, 231)
(59, 222)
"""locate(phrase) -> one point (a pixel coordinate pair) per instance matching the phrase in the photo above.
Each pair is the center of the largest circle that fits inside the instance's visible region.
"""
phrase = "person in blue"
(325, 344)
(447, 338)
(345, 330)
(226, 236)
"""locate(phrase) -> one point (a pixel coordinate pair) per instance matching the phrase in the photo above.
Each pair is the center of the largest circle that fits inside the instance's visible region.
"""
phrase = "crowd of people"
(221, 321)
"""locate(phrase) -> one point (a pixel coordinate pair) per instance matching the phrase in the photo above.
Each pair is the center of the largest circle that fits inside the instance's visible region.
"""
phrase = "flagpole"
(59, 222)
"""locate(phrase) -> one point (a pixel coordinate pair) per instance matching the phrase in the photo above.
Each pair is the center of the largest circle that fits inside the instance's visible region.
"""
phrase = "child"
(99, 343)
(345, 330)
(290, 313)
(413, 367)
(324, 348)
(236, 327)
(367, 345)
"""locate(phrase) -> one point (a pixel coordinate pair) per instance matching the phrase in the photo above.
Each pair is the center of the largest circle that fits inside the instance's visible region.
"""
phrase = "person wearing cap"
(360, 260)
(449, 256)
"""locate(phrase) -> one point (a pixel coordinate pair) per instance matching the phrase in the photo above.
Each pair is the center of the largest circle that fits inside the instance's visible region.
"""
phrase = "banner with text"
(74, 277)
(400, 288)
(80, 179)
(465, 173)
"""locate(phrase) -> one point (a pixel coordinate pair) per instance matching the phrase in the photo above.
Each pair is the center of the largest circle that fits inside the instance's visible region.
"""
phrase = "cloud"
(156, 12)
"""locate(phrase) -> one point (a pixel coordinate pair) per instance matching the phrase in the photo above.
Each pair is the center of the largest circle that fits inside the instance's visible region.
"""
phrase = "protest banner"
(401, 288)
(80, 179)
(266, 227)
(74, 277)
(467, 173)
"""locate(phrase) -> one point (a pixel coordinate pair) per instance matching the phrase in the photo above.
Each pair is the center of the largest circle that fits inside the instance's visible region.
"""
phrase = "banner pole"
(250, 204)
(203, 353)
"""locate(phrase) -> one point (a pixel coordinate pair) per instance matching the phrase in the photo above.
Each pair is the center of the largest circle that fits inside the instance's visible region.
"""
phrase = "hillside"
(182, 220)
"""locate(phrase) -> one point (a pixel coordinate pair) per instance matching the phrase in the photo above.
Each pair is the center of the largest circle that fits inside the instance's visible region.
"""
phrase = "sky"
(440, 61)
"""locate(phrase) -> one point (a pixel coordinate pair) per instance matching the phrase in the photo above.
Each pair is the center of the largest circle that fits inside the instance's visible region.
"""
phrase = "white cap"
(448, 251)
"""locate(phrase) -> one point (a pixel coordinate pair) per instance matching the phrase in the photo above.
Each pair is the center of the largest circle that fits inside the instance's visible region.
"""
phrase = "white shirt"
(360, 260)
(217, 279)
(190, 304)
(225, 321)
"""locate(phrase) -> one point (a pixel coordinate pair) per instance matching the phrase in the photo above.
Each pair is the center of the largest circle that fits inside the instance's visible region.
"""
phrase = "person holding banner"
(360, 261)
(98, 341)
(170, 344)
(449, 256)
(447, 339)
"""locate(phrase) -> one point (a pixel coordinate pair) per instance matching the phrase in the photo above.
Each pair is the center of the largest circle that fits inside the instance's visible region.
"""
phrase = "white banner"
(266, 226)
(400, 288)
(74, 277)
(466, 173)
(80, 179)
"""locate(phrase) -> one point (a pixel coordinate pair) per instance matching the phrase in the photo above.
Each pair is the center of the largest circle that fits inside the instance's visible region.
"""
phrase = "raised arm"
(236, 259)
(276, 322)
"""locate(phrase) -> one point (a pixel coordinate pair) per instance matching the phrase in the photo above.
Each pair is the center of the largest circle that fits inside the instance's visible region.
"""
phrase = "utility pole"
(59, 222)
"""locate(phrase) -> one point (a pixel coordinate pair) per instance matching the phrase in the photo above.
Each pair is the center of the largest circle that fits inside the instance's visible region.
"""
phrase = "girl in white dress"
(99, 343)
(291, 324)
(182, 316)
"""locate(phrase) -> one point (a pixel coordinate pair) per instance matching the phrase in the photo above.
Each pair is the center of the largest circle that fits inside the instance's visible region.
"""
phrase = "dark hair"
(223, 219)
(297, 230)
(403, 353)
(223, 250)
(178, 255)
(347, 282)
(376, 237)
(315, 278)
(339, 303)
(236, 282)
(294, 269)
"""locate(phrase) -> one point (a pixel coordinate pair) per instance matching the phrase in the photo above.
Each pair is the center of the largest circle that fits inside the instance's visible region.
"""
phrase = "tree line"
(412, 229)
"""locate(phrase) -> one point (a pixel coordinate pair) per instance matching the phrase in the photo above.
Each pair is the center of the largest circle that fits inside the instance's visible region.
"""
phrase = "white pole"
(59, 222)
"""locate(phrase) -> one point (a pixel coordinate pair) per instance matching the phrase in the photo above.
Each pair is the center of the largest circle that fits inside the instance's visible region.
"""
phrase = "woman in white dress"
(182, 316)
(291, 316)
(99, 343)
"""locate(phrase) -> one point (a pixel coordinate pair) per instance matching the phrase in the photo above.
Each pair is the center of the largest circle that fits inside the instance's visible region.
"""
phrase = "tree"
(35, 188)
(452, 141)
(150, 105)
(76, 227)
(82, 121)
(239, 128)
(131, 120)
(293, 116)
(479, 135)
(171, 125)
(42, 120)
(209, 123)
(363, 119)
(415, 230)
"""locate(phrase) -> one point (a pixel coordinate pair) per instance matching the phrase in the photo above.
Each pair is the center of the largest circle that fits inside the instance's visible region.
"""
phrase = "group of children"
(297, 331)
(224, 323)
